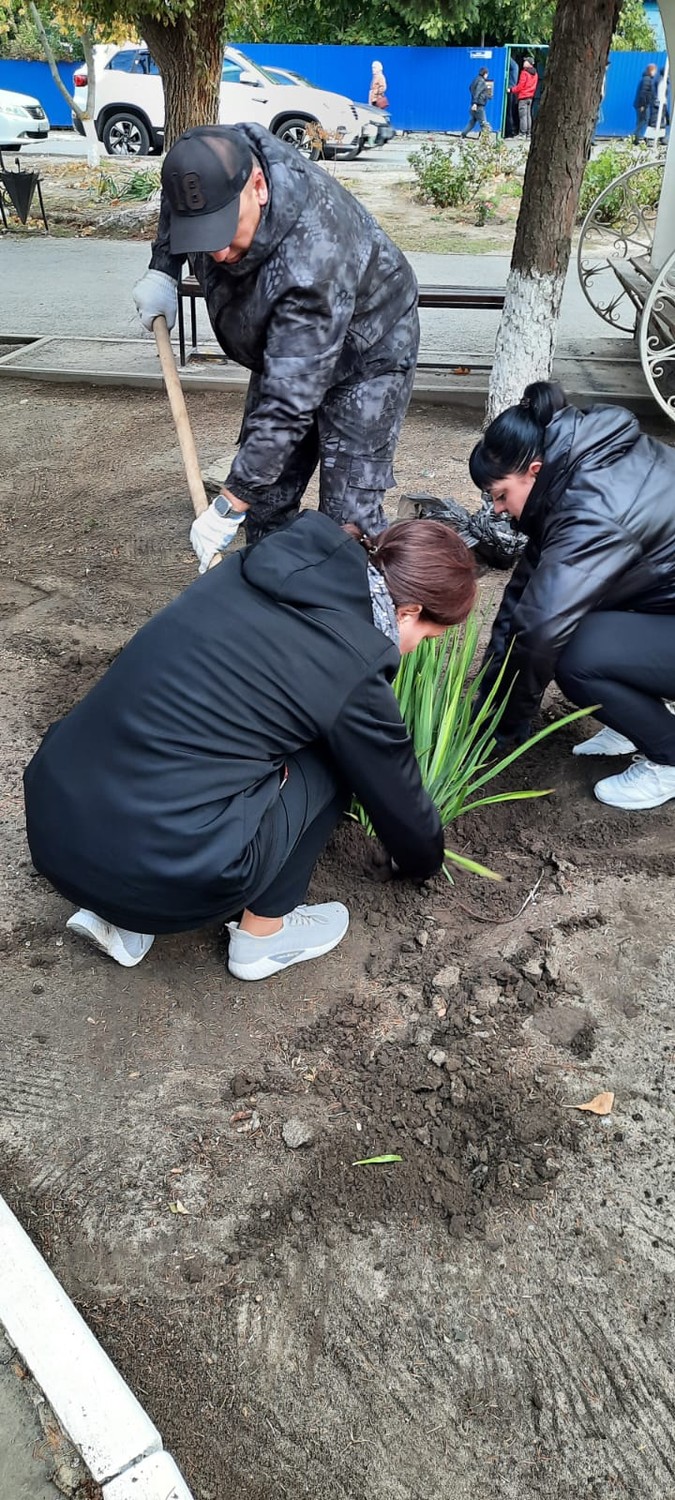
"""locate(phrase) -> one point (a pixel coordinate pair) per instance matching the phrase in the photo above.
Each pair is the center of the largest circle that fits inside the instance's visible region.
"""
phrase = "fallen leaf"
(602, 1104)
(372, 1161)
(240, 1114)
(178, 1207)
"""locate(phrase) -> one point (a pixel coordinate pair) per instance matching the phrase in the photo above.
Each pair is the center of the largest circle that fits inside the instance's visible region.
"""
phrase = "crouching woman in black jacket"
(592, 600)
(206, 770)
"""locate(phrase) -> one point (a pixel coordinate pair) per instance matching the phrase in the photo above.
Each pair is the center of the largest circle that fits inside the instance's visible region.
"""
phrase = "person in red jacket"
(524, 92)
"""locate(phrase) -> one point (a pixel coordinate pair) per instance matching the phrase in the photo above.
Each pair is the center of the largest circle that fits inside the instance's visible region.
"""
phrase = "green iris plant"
(454, 731)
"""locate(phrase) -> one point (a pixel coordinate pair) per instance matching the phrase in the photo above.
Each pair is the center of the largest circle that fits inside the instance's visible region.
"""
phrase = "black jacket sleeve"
(373, 750)
(161, 258)
(501, 634)
(585, 554)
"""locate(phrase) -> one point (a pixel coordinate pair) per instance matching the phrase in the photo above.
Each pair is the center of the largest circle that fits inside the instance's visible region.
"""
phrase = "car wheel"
(124, 134)
(301, 134)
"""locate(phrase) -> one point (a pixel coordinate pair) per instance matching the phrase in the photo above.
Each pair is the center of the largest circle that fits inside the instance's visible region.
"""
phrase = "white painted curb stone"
(154, 1478)
(94, 1405)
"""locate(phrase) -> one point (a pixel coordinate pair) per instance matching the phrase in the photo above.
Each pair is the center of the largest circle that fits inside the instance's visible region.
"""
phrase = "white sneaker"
(127, 948)
(644, 784)
(307, 932)
(606, 742)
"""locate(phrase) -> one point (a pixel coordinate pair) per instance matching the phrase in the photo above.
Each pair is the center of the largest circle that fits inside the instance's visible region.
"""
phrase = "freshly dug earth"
(491, 1315)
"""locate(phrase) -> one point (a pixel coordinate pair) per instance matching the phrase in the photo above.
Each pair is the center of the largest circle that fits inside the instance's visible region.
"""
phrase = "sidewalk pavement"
(83, 288)
(74, 296)
(26, 1458)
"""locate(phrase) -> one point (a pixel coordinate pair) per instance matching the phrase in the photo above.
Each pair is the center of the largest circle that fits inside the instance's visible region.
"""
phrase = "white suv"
(130, 105)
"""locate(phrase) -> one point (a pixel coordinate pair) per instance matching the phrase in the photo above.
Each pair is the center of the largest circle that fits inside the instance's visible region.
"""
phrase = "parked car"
(376, 127)
(130, 105)
(22, 120)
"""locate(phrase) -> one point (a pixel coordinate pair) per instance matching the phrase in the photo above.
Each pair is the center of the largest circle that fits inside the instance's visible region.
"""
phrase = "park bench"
(614, 260)
(462, 297)
(636, 274)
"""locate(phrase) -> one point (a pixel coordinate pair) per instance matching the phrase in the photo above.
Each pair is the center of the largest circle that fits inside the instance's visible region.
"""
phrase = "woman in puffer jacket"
(592, 601)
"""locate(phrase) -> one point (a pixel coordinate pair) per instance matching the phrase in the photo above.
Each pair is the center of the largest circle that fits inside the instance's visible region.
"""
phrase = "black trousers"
(309, 808)
(278, 861)
(352, 437)
(625, 663)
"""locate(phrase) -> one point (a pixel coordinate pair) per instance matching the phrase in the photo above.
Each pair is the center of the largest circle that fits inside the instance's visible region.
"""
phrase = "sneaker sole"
(124, 959)
(633, 806)
(264, 968)
(608, 754)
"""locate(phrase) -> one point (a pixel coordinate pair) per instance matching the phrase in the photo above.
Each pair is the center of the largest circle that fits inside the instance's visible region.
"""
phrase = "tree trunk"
(561, 143)
(94, 147)
(189, 55)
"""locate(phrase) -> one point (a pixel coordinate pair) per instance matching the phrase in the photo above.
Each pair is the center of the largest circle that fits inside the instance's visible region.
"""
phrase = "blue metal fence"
(428, 87)
(34, 78)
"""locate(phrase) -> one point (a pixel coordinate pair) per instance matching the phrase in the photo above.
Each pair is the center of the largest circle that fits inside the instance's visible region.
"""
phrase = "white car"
(22, 120)
(375, 125)
(130, 105)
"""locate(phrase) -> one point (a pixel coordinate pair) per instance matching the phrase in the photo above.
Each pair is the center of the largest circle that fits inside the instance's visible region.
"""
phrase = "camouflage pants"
(353, 438)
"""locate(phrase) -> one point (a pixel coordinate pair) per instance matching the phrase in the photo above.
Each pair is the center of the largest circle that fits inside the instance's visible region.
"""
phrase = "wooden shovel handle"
(174, 391)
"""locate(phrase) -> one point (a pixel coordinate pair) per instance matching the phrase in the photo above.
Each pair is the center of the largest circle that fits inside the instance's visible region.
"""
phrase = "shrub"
(643, 189)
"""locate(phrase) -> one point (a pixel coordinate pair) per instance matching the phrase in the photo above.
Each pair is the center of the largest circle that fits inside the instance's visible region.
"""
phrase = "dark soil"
(490, 1315)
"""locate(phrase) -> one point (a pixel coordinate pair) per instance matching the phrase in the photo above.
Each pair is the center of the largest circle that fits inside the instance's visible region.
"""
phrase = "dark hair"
(484, 72)
(426, 563)
(516, 437)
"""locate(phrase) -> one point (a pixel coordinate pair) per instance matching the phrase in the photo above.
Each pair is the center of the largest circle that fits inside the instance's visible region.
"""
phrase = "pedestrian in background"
(645, 98)
(377, 93)
(524, 92)
(480, 91)
(511, 121)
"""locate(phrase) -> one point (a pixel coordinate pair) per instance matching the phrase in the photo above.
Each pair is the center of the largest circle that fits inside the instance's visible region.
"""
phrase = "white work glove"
(214, 530)
(156, 295)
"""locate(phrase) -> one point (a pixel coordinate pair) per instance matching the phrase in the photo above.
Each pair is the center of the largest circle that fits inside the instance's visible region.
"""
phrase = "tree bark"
(189, 55)
(560, 147)
(94, 147)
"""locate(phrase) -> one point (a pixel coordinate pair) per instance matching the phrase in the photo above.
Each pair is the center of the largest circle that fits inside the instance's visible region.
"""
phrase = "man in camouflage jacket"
(304, 288)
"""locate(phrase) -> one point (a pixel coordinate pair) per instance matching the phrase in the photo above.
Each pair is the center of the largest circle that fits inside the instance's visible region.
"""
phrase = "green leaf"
(373, 1161)
(471, 865)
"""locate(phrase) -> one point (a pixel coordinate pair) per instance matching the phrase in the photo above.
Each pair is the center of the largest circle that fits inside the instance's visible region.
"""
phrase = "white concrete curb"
(119, 1444)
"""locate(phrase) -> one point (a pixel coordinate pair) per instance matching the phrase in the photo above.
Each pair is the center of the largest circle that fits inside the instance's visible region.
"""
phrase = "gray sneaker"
(606, 742)
(307, 932)
(127, 948)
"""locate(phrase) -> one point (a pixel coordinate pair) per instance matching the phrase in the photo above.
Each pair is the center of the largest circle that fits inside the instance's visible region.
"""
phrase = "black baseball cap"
(203, 175)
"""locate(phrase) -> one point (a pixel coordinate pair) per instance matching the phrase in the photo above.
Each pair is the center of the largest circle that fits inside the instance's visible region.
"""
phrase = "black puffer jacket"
(600, 523)
(142, 803)
(322, 298)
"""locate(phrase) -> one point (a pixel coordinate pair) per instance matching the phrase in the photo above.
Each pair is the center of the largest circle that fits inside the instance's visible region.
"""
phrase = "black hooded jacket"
(600, 523)
(142, 802)
(323, 298)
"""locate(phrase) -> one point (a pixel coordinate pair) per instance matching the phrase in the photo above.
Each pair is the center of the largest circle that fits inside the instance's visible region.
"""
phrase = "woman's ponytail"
(544, 398)
(517, 436)
(424, 563)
